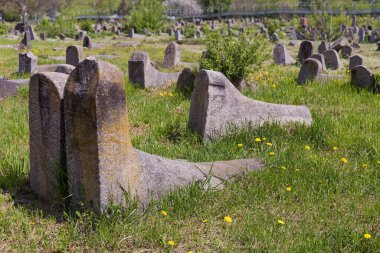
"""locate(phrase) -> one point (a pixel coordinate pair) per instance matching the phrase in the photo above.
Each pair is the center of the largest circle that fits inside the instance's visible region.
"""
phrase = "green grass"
(329, 209)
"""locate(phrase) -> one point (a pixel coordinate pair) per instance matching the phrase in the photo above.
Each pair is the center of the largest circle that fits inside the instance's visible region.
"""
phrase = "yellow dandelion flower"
(240, 145)
(274, 86)
(365, 165)
(271, 153)
(289, 189)
(258, 139)
(307, 147)
(170, 94)
(344, 160)
(378, 162)
(164, 213)
(189, 252)
(205, 221)
(171, 243)
(283, 167)
(281, 222)
(335, 148)
(269, 144)
(367, 236)
(264, 139)
(161, 94)
(228, 219)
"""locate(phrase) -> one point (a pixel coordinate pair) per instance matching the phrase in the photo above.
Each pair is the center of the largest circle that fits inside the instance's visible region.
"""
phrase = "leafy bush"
(86, 25)
(4, 29)
(148, 14)
(235, 57)
(189, 30)
(60, 25)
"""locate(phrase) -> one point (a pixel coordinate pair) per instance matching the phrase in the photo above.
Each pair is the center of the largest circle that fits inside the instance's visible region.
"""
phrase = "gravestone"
(186, 80)
(103, 168)
(311, 69)
(305, 50)
(172, 55)
(131, 33)
(217, 107)
(378, 46)
(354, 20)
(178, 36)
(27, 38)
(338, 44)
(293, 35)
(322, 47)
(361, 35)
(142, 72)
(361, 77)
(43, 36)
(355, 45)
(9, 88)
(347, 51)
(321, 59)
(355, 60)
(74, 55)
(87, 42)
(47, 133)
(59, 68)
(281, 55)
(332, 59)
(27, 63)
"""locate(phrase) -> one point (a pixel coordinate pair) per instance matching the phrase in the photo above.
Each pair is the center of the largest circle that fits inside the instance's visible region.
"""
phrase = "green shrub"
(234, 56)
(86, 25)
(189, 30)
(60, 25)
(4, 28)
(148, 14)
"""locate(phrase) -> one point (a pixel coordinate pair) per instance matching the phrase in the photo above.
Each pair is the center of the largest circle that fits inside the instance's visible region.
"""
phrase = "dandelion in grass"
(367, 236)
(258, 139)
(240, 145)
(272, 154)
(274, 86)
(228, 219)
(161, 94)
(365, 165)
(164, 213)
(171, 243)
(378, 162)
(170, 94)
(281, 222)
(335, 148)
(269, 144)
(288, 189)
(205, 221)
(283, 168)
(307, 148)
(264, 139)
(344, 160)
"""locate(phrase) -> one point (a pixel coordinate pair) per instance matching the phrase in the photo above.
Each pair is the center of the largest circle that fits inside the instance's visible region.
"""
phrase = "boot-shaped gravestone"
(355, 60)
(102, 166)
(322, 47)
(347, 51)
(47, 135)
(305, 51)
(311, 69)
(74, 55)
(321, 59)
(27, 63)
(218, 107)
(142, 72)
(172, 55)
(361, 77)
(281, 55)
(87, 42)
(332, 59)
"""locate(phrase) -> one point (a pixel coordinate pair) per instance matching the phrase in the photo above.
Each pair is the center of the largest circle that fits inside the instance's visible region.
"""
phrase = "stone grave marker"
(322, 47)
(332, 59)
(321, 59)
(311, 69)
(87, 42)
(74, 55)
(281, 55)
(27, 63)
(347, 51)
(172, 55)
(305, 50)
(355, 60)
(361, 77)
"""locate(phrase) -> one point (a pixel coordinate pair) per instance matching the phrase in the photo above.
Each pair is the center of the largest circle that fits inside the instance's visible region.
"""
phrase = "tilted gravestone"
(347, 51)
(218, 107)
(142, 72)
(332, 59)
(87, 42)
(355, 60)
(102, 165)
(339, 43)
(310, 69)
(47, 133)
(321, 59)
(27, 63)
(172, 55)
(322, 47)
(74, 55)
(305, 50)
(361, 77)
(281, 55)
(186, 80)
(9, 88)
(355, 45)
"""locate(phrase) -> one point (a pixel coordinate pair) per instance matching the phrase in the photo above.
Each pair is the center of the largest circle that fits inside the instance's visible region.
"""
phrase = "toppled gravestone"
(47, 133)
(9, 88)
(59, 68)
(102, 165)
(361, 77)
(310, 70)
(74, 55)
(281, 55)
(142, 72)
(305, 50)
(27, 63)
(355, 60)
(218, 107)
(332, 59)
(172, 55)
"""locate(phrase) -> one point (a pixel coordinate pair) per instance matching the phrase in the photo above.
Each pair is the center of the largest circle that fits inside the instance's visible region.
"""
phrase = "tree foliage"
(216, 5)
(149, 14)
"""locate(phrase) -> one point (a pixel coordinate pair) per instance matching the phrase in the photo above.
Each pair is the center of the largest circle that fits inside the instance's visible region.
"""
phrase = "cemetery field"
(319, 190)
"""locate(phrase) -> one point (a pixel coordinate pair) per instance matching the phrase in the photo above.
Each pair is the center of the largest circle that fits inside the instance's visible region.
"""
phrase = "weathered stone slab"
(186, 80)
(27, 63)
(355, 60)
(142, 72)
(74, 55)
(9, 88)
(59, 68)
(102, 165)
(281, 55)
(322, 47)
(332, 59)
(311, 69)
(305, 51)
(321, 59)
(87, 42)
(216, 106)
(338, 44)
(47, 134)
(347, 51)
(172, 55)
(361, 77)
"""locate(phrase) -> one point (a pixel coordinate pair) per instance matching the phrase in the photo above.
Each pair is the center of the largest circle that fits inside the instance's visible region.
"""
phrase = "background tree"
(149, 14)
